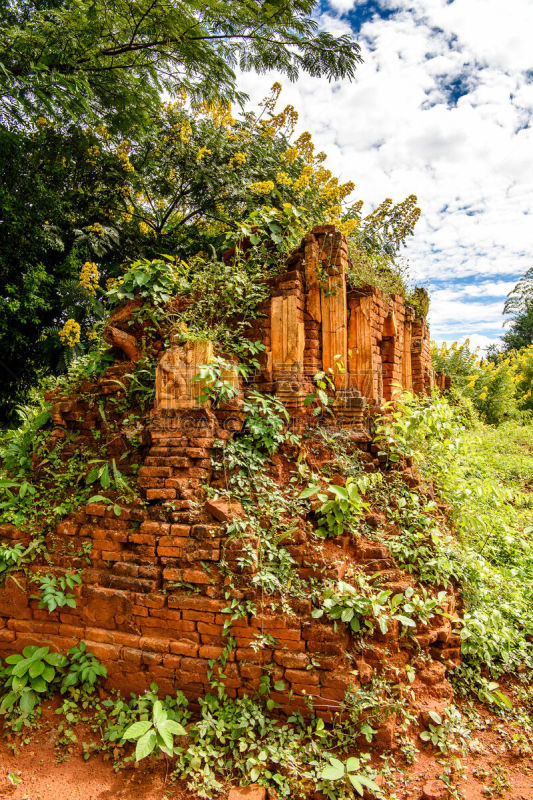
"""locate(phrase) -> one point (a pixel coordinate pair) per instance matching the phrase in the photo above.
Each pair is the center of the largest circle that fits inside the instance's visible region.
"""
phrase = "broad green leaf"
(137, 730)
(407, 621)
(145, 745)
(34, 651)
(21, 667)
(36, 669)
(56, 659)
(309, 492)
(165, 734)
(333, 771)
(158, 713)
(352, 764)
(355, 780)
(19, 683)
(7, 701)
(39, 685)
(175, 728)
(28, 701)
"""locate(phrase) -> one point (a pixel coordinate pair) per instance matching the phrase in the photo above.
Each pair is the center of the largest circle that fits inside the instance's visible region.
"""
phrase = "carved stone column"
(361, 366)
(174, 384)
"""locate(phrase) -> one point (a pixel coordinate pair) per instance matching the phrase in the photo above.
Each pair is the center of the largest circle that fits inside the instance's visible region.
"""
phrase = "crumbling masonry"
(152, 602)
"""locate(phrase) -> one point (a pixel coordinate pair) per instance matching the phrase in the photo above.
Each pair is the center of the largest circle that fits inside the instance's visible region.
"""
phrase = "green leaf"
(503, 700)
(407, 621)
(166, 735)
(158, 713)
(19, 683)
(368, 783)
(137, 730)
(175, 728)
(36, 669)
(56, 659)
(435, 717)
(27, 701)
(309, 492)
(355, 780)
(39, 685)
(145, 745)
(21, 667)
(352, 764)
(279, 686)
(8, 701)
(333, 771)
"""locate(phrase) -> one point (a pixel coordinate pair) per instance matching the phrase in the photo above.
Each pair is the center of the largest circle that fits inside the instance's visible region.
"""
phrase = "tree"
(79, 204)
(519, 306)
(75, 58)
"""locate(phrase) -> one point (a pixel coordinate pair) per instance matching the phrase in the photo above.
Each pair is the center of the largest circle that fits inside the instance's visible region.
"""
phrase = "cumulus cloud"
(441, 107)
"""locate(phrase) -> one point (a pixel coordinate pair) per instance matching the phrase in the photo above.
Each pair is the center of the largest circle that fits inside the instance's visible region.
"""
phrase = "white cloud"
(398, 129)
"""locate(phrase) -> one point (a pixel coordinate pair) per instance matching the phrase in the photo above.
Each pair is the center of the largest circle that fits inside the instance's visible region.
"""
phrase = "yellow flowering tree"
(499, 388)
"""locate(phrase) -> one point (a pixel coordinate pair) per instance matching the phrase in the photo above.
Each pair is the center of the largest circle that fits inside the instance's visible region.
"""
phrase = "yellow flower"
(122, 153)
(145, 228)
(237, 160)
(92, 154)
(262, 187)
(201, 153)
(283, 179)
(89, 277)
(70, 333)
(290, 155)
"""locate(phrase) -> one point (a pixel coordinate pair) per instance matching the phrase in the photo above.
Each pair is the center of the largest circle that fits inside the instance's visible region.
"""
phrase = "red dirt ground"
(45, 776)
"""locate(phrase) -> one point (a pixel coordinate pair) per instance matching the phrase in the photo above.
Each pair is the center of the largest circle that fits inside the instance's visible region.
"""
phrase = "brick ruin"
(152, 602)
(375, 347)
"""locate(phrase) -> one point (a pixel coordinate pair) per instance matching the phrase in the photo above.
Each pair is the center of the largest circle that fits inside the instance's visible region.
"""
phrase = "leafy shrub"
(349, 772)
(362, 607)
(17, 444)
(54, 591)
(155, 280)
(155, 734)
(483, 476)
(11, 557)
(499, 388)
(30, 676)
(265, 426)
(341, 506)
(83, 670)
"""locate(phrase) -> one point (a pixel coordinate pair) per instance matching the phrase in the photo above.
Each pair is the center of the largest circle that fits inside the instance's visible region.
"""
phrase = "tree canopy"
(193, 175)
(519, 306)
(74, 58)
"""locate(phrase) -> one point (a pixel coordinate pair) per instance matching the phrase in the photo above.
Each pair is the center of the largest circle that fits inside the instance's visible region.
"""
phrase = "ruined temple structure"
(153, 603)
(372, 346)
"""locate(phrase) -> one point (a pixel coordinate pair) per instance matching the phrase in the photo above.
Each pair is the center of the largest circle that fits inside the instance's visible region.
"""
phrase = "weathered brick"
(160, 494)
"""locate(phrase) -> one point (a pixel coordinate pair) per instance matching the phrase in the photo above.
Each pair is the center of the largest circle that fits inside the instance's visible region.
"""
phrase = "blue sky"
(442, 107)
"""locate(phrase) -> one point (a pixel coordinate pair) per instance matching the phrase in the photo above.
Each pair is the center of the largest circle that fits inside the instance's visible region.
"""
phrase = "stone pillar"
(333, 307)
(287, 336)
(407, 375)
(360, 354)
